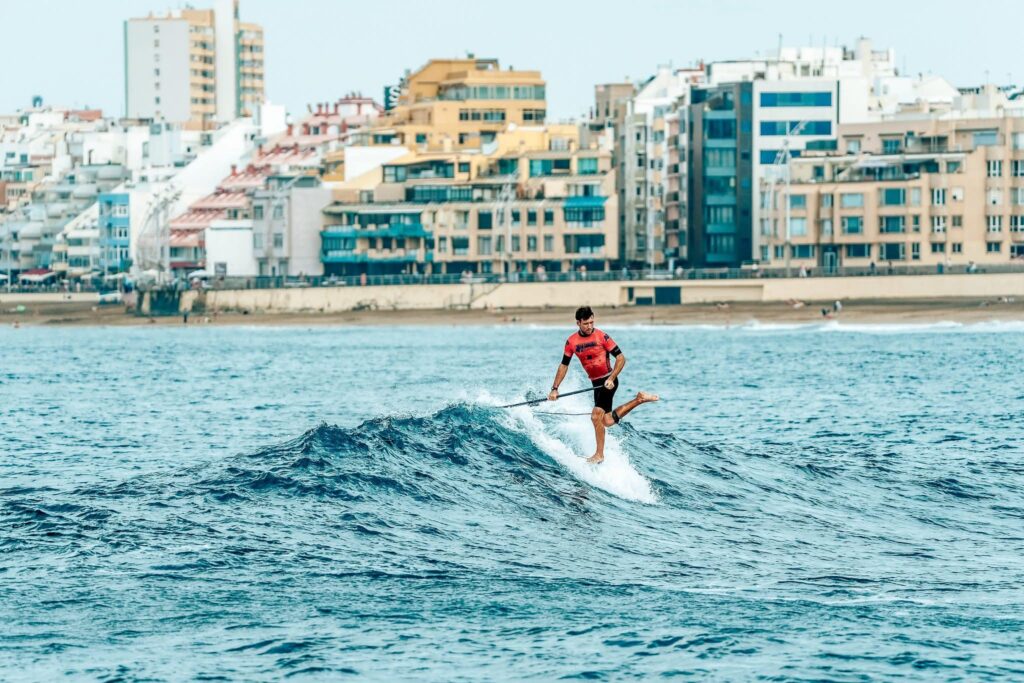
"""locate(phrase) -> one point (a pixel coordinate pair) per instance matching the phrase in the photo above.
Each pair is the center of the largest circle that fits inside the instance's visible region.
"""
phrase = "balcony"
(392, 230)
(376, 256)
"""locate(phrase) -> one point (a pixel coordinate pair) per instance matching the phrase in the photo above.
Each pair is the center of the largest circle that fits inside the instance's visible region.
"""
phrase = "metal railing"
(622, 275)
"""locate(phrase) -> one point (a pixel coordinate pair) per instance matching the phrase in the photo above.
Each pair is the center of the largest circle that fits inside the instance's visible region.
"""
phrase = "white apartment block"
(199, 68)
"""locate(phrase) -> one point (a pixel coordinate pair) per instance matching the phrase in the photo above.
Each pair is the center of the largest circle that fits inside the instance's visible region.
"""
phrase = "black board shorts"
(603, 397)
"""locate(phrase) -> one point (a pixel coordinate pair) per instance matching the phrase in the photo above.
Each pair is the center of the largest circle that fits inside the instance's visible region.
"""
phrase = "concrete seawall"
(610, 293)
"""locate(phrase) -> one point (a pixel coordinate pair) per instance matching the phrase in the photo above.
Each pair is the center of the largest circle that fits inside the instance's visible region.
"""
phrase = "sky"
(71, 52)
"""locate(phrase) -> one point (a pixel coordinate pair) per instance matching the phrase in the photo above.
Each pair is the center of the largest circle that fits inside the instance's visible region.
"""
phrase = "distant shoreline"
(927, 311)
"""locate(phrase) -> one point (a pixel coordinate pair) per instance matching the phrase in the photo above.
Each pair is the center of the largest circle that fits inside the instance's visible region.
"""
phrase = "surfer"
(594, 348)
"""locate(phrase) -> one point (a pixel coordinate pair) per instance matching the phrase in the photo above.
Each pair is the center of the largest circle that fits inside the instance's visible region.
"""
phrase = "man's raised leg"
(621, 412)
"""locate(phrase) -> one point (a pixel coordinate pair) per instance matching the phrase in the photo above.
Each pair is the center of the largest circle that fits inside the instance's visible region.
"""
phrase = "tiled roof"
(186, 238)
(223, 199)
(197, 219)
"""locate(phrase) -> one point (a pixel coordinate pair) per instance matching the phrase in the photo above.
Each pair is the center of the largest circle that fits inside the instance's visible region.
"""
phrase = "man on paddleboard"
(594, 348)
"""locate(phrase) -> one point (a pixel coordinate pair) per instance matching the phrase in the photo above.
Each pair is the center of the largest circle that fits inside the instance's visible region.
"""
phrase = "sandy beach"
(869, 312)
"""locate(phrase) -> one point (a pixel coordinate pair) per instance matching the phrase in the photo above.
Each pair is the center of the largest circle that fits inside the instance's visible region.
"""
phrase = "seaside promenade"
(880, 298)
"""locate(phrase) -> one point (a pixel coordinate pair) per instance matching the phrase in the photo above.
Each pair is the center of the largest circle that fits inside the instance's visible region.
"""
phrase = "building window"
(257, 240)
(995, 223)
(952, 167)
(720, 215)
(891, 224)
(893, 196)
(549, 217)
(1016, 223)
(460, 246)
(442, 244)
(531, 243)
(720, 158)
(546, 167)
(484, 220)
(587, 166)
(796, 99)
(278, 240)
(938, 224)
(938, 247)
(892, 252)
(516, 243)
(516, 216)
(938, 197)
(278, 211)
(995, 168)
(257, 212)
(986, 138)
(853, 145)
(915, 252)
(531, 217)
(826, 226)
(549, 243)
(851, 200)
(853, 225)
(788, 127)
(803, 251)
(720, 129)
(891, 145)
(1017, 168)
(958, 247)
(797, 227)
(463, 167)
(826, 201)
(797, 201)
(483, 246)
(958, 221)
(993, 247)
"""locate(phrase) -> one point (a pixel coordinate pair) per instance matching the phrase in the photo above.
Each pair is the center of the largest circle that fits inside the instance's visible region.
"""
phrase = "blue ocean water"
(819, 502)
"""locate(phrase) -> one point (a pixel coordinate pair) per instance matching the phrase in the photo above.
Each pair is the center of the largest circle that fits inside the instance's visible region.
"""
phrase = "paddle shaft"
(542, 400)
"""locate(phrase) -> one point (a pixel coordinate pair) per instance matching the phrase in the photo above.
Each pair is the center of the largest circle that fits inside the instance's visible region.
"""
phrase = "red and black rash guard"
(594, 351)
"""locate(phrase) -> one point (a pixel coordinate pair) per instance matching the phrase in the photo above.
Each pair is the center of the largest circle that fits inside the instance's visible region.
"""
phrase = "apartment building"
(646, 148)
(458, 104)
(535, 204)
(719, 174)
(196, 67)
(912, 192)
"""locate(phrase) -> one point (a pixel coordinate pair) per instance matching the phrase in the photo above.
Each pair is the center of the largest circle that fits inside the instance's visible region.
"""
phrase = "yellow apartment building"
(455, 104)
(535, 203)
(912, 192)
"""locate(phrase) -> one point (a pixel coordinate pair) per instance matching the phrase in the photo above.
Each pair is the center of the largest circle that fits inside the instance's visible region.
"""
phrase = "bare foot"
(596, 458)
(644, 397)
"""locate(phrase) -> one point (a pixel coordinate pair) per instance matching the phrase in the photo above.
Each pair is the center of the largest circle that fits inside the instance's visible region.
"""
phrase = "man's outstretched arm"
(559, 376)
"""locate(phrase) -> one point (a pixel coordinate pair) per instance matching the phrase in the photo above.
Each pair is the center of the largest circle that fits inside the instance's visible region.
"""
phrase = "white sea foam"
(570, 440)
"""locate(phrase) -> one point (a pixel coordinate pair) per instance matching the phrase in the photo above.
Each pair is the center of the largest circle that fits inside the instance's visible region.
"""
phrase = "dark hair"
(584, 312)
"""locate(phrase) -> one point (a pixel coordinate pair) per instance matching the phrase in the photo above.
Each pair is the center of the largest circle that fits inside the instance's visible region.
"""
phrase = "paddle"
(542, 400)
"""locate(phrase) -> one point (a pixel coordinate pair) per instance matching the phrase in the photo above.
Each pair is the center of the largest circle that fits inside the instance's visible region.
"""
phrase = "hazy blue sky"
(71, 51)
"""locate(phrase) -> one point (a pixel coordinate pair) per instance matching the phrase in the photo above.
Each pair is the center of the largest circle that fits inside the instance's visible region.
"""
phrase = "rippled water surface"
(821, 502)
